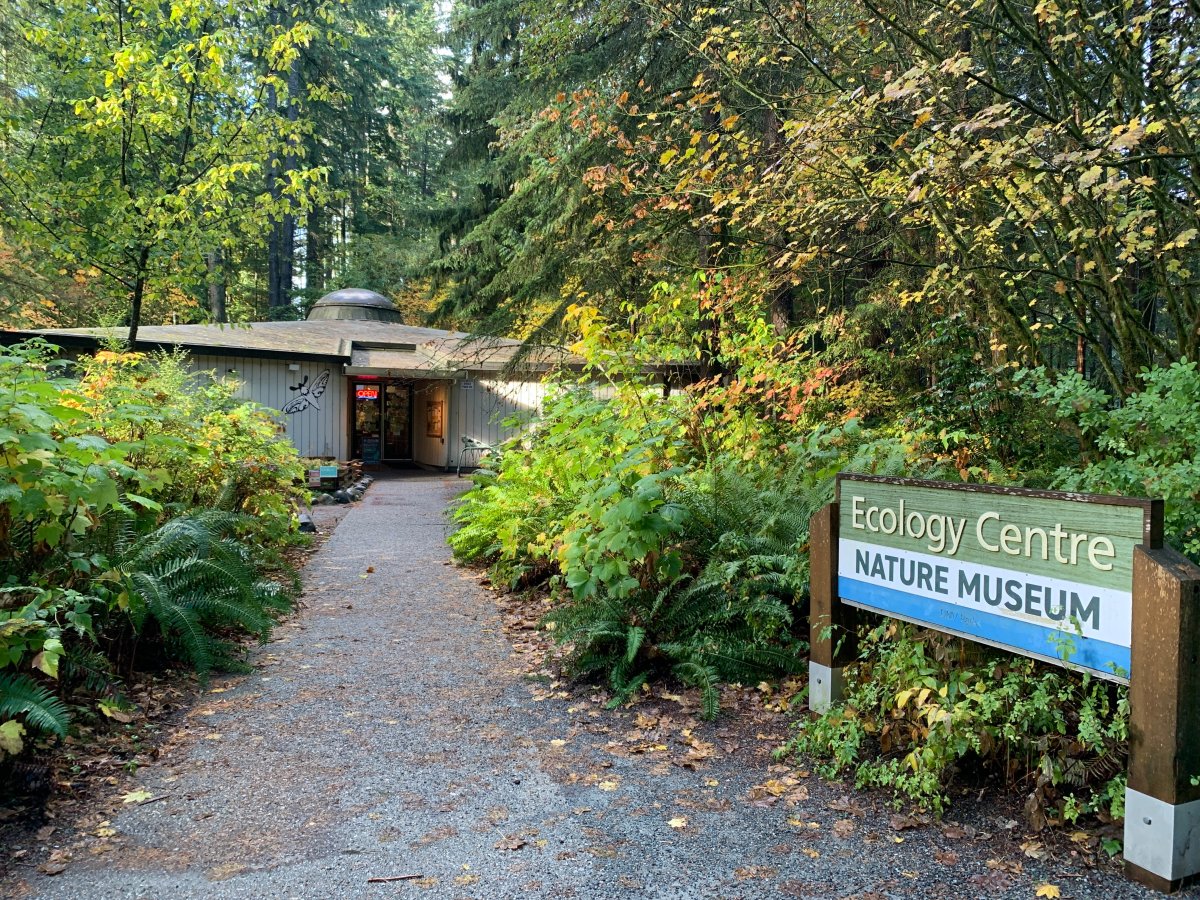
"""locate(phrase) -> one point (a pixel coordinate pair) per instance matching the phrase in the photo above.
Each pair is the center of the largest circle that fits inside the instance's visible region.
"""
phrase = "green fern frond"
(21, 695)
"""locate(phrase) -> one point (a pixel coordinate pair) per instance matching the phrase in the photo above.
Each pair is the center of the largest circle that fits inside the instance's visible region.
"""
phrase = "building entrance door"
(365, 440)
(397, 422)
(382, 421)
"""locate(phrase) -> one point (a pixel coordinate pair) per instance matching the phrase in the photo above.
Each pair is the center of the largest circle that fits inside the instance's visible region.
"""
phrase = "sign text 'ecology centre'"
(1042, 573)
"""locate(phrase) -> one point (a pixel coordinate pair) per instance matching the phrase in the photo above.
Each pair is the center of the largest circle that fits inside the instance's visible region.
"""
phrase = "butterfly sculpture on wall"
(309, 394)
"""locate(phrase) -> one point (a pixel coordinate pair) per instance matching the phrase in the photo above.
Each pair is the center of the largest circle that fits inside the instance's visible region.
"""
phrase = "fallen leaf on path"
(946, 857)
(746, 872)
(609, 784)
(136, 797)
(843, 828)
(800, 823)
(991, 881)
(810, 852)
(1005, 865)
(1035, 849)
(512, 842)
(846, 805)
(1049, 890)
(900, 823)
(115, 713)
(678, 822)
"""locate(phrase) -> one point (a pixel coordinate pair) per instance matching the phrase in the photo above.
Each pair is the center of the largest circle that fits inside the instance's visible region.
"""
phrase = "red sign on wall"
(366, 392)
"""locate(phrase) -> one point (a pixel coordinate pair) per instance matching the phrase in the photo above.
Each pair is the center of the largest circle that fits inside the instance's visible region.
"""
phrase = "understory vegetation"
(140, 505)
(671, 535)
(950, 241)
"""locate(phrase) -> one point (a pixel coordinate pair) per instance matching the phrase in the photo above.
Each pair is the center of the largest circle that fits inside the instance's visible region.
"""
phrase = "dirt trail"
(389, 731)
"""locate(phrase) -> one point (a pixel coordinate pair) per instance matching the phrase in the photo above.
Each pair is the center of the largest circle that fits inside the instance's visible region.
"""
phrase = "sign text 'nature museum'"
(1041, 573)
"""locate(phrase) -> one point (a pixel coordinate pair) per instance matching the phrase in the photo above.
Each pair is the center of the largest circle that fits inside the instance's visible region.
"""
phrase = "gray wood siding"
(315, 431)
(431, 451)
(479, 412)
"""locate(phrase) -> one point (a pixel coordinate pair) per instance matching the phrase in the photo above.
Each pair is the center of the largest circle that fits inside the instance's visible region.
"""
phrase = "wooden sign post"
(1075, 580)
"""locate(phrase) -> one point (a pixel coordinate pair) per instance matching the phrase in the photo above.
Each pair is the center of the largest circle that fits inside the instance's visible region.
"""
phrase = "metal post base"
(1162, 840)
(826, 686)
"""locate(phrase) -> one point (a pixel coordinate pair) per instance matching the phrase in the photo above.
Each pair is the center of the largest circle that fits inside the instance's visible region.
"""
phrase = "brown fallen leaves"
(786, 786)
(56, 864)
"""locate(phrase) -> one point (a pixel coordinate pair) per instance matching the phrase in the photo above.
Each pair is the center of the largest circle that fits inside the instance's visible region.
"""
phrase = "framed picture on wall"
(435, 422)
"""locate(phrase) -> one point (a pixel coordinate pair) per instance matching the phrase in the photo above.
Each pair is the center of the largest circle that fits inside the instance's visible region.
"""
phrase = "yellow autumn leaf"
(1049, 890)
(678, 822)
(10, 737)
(136, 797)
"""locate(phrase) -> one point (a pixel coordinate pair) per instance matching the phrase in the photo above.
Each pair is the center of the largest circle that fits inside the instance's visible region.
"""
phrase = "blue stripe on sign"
(1089, 653)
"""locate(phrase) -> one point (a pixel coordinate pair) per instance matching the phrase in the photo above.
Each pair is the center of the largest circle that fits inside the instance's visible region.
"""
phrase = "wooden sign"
(1041, 573)
(1074, 579)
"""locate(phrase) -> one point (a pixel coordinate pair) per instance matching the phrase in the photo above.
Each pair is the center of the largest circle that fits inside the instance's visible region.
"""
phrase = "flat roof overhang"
(94, 342)
(380, 372)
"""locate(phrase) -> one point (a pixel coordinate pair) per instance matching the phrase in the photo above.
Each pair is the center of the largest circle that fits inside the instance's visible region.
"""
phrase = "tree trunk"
(706, 253)
(781, 294)
(139, 294)
(215, 260)
(281, 247)
(314, 254)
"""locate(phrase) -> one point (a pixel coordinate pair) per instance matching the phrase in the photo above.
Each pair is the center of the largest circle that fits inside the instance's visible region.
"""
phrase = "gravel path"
(389, 731)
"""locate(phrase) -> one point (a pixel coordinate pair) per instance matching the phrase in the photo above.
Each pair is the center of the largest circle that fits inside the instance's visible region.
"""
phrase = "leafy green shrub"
(57, 477)
(922, 707)
(207, 446)
(585, 456)
(1149, 445)
(108, 530)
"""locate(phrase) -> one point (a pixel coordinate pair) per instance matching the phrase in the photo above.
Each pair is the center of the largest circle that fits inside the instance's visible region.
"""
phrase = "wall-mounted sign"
(366, 392)
(1045, 574)
(329, 471)
(435, 418)
(309, 394)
